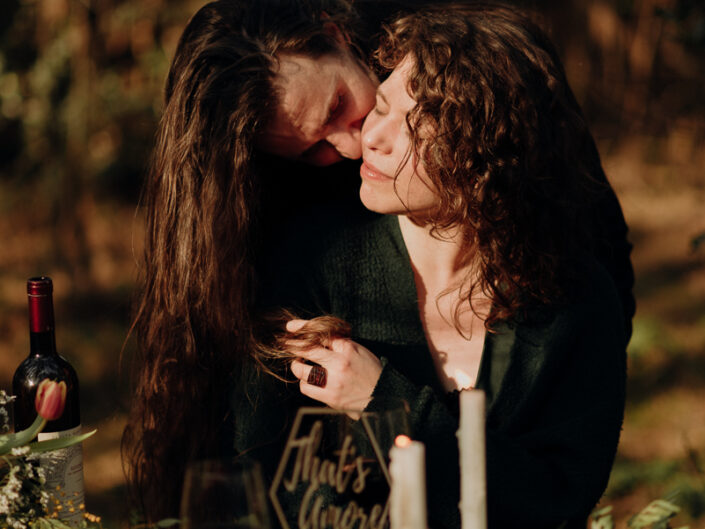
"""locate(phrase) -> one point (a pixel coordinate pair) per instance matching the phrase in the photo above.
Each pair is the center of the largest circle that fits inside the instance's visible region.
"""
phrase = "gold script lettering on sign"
(318, 477)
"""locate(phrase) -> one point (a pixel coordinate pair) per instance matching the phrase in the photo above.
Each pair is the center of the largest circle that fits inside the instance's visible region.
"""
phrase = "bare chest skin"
(441, 265)
(456, 356)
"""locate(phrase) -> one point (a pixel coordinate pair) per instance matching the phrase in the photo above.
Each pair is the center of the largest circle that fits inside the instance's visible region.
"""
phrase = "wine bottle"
(63, 468)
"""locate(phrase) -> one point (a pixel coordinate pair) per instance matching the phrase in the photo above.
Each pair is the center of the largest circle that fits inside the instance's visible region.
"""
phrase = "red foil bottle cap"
(39, 286)
(41, 309)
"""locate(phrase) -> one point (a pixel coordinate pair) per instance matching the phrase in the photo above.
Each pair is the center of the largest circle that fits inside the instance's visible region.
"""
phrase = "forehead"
(305, 87)
(396, 87)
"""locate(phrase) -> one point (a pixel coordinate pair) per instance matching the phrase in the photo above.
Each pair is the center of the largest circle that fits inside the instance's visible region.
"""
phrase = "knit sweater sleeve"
(554, 410)
(552, 436)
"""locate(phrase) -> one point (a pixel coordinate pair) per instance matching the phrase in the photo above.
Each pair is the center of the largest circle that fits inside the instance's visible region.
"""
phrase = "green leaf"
(58, 524)
(55, 444)
(11, 441)
(49, 523)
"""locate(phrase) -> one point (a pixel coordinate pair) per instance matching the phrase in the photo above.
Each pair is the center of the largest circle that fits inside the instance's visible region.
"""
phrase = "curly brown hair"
(510, 153)
(201, 199)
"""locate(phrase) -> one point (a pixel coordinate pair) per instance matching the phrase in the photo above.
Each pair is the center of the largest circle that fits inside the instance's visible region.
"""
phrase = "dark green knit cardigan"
(555, 383)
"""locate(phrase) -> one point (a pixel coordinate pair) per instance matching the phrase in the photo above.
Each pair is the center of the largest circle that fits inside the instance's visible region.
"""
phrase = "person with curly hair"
(479, 275)
(263, 107)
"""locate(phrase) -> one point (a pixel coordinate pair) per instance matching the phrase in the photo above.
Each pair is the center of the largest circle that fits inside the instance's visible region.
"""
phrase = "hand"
(352, 372)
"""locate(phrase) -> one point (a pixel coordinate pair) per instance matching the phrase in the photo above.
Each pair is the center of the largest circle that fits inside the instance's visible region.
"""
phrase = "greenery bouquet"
(24, 502)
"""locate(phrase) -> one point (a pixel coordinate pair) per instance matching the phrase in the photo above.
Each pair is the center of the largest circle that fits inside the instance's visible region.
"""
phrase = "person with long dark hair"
(229, 169)
(202, 200)
(479, 275)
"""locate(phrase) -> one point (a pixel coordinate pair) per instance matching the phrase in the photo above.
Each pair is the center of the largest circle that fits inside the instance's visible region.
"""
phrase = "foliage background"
(80, 96)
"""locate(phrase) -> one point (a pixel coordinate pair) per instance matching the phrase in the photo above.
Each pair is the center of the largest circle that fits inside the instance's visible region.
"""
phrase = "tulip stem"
(10, 441)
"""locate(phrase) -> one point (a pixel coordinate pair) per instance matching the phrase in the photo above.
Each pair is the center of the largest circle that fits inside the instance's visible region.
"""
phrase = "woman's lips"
(370, 172)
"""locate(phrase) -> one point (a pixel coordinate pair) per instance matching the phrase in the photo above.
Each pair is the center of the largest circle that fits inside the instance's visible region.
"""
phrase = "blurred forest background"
(80, 96)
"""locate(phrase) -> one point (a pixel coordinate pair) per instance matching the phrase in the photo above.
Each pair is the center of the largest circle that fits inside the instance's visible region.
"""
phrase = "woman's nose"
(374, 134)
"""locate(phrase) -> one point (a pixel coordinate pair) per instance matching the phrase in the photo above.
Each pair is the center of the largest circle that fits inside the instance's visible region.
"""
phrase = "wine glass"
(224, 494)
(384, 425)
(381, 428)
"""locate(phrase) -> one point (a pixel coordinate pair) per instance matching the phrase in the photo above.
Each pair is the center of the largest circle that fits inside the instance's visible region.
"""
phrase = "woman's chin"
(376, 201)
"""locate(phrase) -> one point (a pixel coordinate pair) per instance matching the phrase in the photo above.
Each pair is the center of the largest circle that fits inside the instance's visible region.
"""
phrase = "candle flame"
(402, 441)
(462, 379)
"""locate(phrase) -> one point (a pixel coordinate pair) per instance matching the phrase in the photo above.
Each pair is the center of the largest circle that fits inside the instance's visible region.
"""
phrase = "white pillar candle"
(471, 440)
(407, 498)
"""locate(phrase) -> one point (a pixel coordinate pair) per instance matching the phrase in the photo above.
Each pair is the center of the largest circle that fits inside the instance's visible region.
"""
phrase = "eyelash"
(377, 110)
(335, 109)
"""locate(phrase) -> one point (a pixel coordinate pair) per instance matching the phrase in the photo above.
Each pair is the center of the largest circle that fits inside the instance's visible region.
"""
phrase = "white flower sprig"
(23, 500)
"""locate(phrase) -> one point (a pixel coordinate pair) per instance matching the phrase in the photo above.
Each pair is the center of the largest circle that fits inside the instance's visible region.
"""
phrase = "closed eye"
(381, 105)
(335, 109)
(380, 101)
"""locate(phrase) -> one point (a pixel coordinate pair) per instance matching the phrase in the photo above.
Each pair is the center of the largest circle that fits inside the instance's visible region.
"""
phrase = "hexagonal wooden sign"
(332, 474)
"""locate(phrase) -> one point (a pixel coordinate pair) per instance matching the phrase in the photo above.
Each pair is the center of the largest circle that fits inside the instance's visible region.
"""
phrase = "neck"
(441, 259)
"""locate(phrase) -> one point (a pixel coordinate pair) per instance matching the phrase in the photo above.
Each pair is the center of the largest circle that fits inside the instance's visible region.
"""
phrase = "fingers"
(315, 393)
(306, 374)
(299, 369)
(296, 368)
(341, 345)
(314, 375)
(303, 347)
(295, 325)
(341, 354)
(317, 376)
(318, 355)
(343, 379)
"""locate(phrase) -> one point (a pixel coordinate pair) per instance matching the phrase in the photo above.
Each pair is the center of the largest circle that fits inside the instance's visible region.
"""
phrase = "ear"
(332, 29)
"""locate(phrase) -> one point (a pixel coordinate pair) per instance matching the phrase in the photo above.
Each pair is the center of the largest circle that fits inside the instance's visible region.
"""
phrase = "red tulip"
(51, 399)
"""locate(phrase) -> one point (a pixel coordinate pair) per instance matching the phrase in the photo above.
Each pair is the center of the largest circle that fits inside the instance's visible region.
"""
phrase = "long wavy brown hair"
(509, 151)
(201, 199)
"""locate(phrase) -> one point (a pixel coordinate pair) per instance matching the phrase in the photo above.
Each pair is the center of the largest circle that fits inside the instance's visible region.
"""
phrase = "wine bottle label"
(63, 471)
